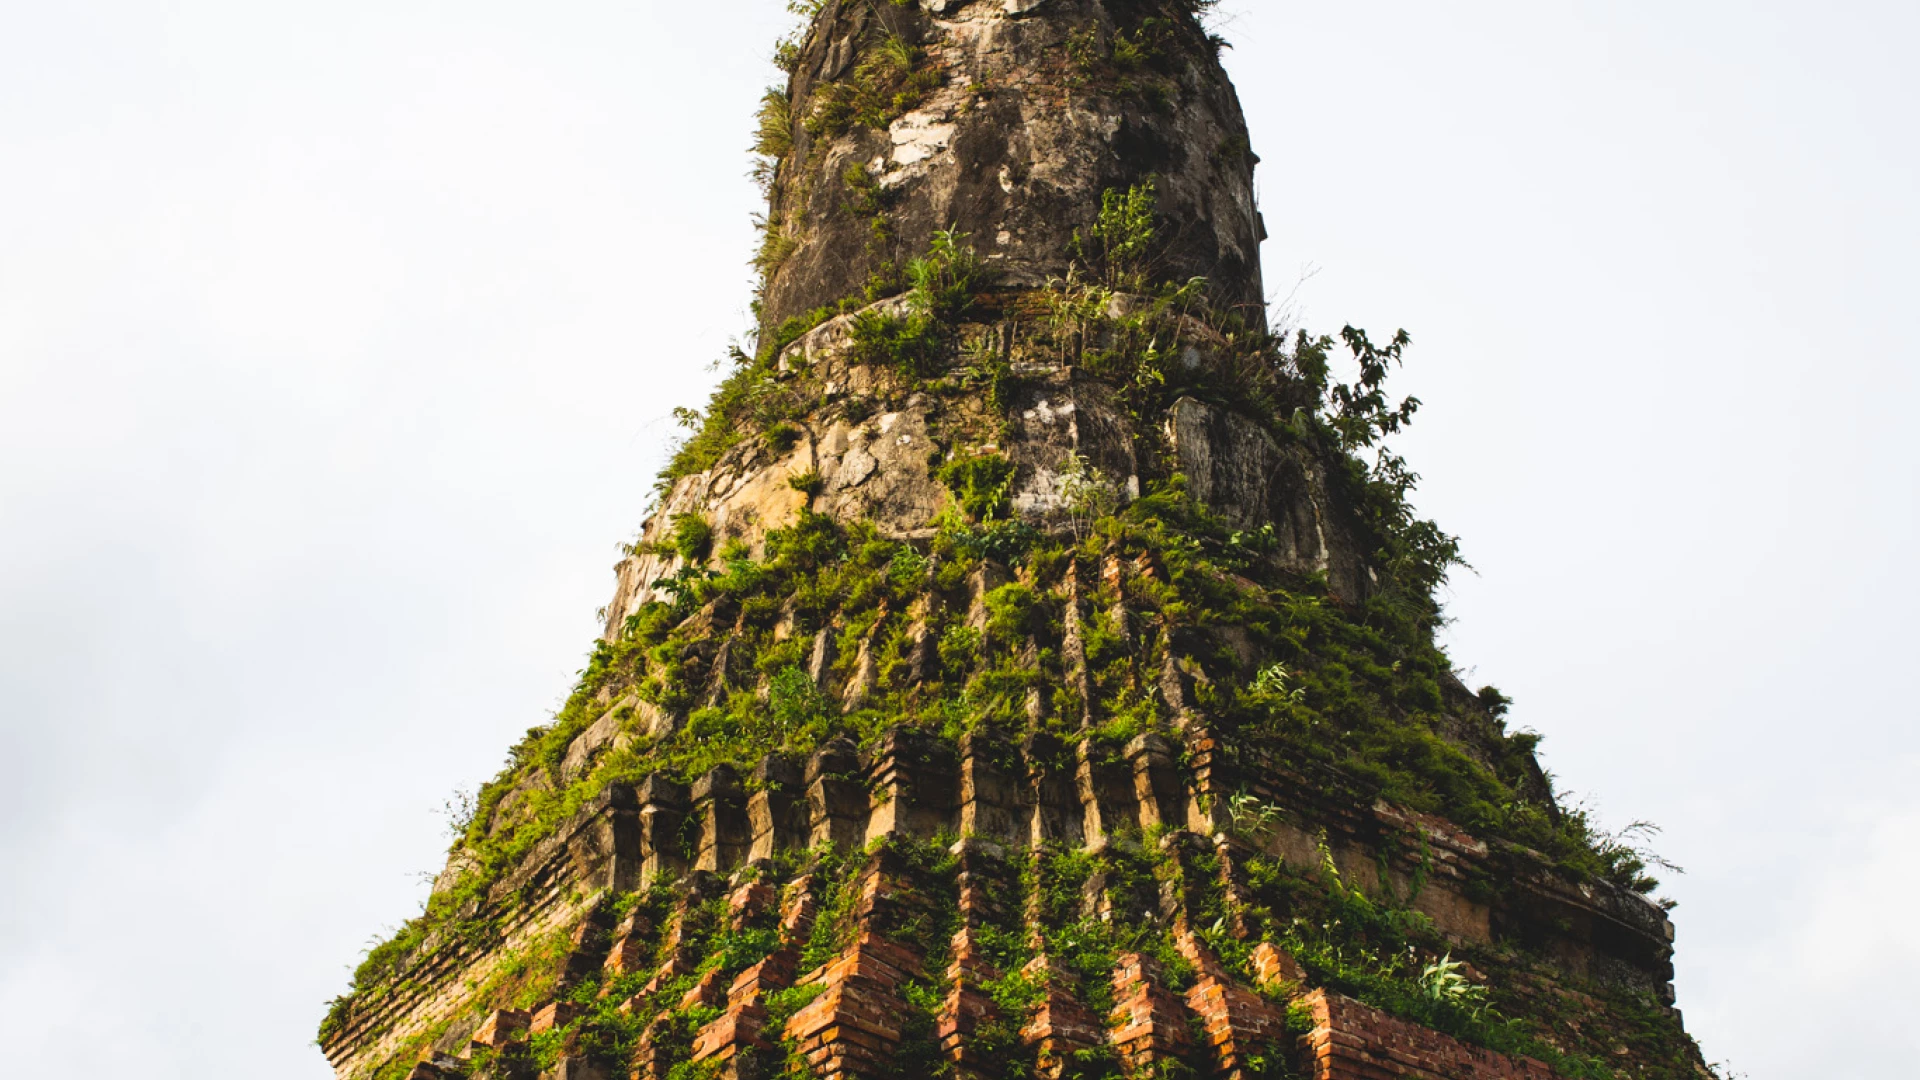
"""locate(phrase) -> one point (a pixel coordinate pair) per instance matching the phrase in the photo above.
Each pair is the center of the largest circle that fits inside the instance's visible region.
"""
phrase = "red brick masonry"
(1351, 1041)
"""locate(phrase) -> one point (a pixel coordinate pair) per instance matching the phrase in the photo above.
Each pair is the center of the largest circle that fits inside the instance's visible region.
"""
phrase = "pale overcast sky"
(337, 343)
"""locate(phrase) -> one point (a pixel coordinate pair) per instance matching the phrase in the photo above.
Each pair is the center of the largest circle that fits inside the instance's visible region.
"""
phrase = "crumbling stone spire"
(1007, 120)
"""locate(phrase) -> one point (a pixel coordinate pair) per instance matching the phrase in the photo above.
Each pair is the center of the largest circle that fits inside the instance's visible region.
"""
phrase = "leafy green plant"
(786, 52)
(773, 137)
(945, 278)
(1011, 612)
(1252, 819)
(1621, 856)
(1275, 685)
(795, 703)
(891, 78)
(778, 242)
(809, 483)
(1261, 541)
(1089, 497)
(865, 196)
(1123, 237)
(1140, 56)
(691, 537)
(907, 344)
(1443, 983)
(782, 436)
(981, 483)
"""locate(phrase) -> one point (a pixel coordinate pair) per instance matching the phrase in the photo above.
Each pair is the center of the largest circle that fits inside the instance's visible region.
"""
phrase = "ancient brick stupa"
(1029, 669)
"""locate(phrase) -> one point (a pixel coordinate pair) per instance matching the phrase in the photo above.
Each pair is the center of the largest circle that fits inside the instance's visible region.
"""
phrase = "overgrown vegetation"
(755, 398)
(892, 76)
(1143, 55)
(1348, 693)
(1064, 920)
(1375, 947)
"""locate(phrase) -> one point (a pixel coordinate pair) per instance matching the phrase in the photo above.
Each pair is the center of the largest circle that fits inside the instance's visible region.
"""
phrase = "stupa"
(1028, 670)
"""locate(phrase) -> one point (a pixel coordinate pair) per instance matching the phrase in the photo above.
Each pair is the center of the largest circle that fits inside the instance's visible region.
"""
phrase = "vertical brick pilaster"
(854, 1026)
(914, 786)
(989, 798)
(1236, 1024)
(836, 799)
(1061, 1025)
(663, 814)
(1158, 787)
(967, 1008)
(777, 809)
(1106, 792)
(720, 810)
(1150, 1022)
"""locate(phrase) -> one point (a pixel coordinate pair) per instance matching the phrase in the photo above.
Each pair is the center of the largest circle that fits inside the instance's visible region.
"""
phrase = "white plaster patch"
(918, 136)
(1047, 491)
(1048, 413)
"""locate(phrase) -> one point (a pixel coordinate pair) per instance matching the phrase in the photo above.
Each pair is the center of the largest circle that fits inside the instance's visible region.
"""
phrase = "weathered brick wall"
(1220, 1027)
(913, 785)
(1351, 1041)
(553, 889)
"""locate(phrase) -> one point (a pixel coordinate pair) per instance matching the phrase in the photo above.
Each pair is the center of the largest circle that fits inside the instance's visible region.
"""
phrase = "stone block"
(502, 1026)
(1275, 967)
(554, 1016)
(853, 1026)
(599, 736)
(1061, 1025)
(1351, 1041)
(1158, 786)
(989, 796)
(747, 904)
(1106, 792)
(720, 813)
(1149, 1022)
(628, 954)
(989, 576)
(663, 814)
(777, 809)
(797, 910)
(914, 786)
(837, 802)
(580, 1068)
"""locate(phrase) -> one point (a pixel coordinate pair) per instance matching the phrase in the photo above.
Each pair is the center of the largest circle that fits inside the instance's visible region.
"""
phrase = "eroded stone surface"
(1016, 146)
(1060, 424)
